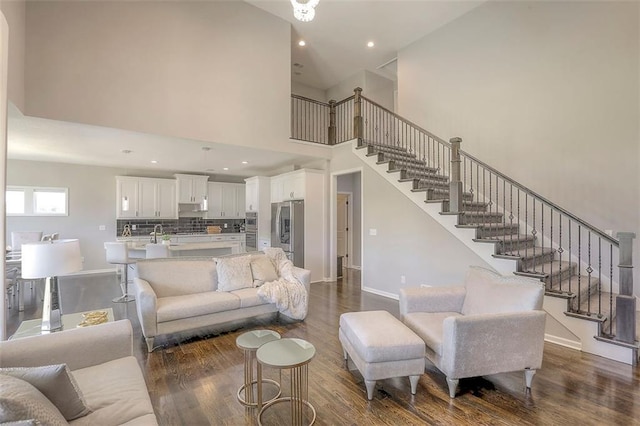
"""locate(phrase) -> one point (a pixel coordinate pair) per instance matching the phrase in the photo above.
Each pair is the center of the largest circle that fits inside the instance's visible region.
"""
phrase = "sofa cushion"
(116, 392)
(19, 400)
(234, 273)
(262, 270)
(57, 384)
(177, 277)
(194, 305)
(249, 297)
(491, 293)
(428, 325)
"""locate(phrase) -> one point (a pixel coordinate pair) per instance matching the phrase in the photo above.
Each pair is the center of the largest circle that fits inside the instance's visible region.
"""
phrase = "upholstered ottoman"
(381, 347)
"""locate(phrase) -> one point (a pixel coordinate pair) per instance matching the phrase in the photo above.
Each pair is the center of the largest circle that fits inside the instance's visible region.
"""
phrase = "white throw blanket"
(287, 292)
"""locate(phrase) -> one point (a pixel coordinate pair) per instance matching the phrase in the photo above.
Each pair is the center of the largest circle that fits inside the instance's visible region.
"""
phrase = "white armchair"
(492, 324)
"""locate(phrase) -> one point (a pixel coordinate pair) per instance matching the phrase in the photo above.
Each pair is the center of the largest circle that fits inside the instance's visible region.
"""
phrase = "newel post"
(358, 121)
(332, 122)
(625, 300)
(455, 185)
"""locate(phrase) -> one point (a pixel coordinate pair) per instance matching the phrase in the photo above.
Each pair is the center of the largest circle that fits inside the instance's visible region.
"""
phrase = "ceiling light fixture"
(371, 44)
(225, 168)
(154, 161)
(302, 43)
(245, 162)
(304, 10)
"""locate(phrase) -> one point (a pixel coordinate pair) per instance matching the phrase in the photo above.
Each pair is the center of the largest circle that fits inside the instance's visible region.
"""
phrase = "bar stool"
(117, 254)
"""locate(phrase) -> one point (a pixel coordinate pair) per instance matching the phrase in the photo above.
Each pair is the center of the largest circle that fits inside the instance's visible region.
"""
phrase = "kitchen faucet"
(155, 233)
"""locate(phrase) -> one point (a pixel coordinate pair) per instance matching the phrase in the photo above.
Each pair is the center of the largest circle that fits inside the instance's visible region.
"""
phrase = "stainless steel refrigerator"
(287, 229)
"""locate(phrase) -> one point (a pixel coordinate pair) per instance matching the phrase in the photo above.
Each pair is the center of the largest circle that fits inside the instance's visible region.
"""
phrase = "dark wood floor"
(193, 380)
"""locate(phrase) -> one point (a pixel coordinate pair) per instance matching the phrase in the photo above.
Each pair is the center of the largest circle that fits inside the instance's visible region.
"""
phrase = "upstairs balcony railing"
(599, 283)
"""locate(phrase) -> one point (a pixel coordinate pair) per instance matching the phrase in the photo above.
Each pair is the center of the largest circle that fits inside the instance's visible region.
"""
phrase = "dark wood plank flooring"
(193, 379)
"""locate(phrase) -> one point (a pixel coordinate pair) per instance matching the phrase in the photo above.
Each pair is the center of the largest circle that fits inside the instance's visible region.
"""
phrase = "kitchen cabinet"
(258, 200)
(293, 185)
(192, 189)
(226, 201)
(145, 198)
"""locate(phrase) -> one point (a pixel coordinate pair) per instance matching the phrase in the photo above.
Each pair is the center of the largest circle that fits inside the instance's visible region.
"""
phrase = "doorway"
(345, 234)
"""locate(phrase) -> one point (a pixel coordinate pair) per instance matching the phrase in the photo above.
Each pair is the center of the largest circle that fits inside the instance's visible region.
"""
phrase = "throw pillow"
(491, 293)
(57, 384)
(262, 270)
(234, 273)
(19, 401)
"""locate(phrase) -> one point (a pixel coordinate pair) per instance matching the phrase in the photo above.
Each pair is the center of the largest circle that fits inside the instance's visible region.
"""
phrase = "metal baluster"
(579, 267)
(542, 258)
(526, 221)
(551, 246)
(569, 258)
(610, 287)
(599, 276)
(589, 271)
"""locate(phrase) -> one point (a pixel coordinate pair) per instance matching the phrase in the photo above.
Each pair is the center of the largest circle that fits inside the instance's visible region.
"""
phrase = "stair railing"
(321, 122)
(572, 257)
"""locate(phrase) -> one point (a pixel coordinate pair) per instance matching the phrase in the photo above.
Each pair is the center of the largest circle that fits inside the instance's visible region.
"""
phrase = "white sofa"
(182, 293)
(492, 324)
(101, 362)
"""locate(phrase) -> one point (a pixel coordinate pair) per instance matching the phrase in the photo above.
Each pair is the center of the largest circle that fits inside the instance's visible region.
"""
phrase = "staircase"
(586, 272)
(575, 293)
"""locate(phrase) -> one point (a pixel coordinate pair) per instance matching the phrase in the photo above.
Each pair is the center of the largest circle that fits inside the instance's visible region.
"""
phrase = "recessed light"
(302, 43)
(154, 161)
(371, 44)
(225, 168)
(245, 162)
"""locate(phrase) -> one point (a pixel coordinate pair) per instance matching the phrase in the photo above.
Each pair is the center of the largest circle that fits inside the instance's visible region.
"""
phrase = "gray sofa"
(491, 324)
(182, 293)
(101, 362)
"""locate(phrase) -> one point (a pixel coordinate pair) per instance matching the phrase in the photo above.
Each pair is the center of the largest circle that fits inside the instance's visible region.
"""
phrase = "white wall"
(14, 12)
(379, 89)
(546, 92)
(308, 92)
(92, 202)
(198, 70)
(4, 71)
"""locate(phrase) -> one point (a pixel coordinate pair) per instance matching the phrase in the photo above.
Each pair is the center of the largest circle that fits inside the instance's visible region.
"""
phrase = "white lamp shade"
(51, 258)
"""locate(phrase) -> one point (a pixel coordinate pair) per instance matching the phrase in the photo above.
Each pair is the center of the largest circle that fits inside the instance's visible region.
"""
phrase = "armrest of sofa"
(78, 347)
(431, 299)
(147, 307)
(304, 276)
(483, 344)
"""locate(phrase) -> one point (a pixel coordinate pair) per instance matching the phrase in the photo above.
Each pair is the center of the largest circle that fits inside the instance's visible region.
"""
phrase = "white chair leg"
(528, 376)
(453, 385)
(414, 384)
(370, 384)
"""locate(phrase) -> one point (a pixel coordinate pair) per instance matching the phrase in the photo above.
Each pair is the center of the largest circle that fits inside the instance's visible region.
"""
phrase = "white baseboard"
(571, 344)
(381, 293)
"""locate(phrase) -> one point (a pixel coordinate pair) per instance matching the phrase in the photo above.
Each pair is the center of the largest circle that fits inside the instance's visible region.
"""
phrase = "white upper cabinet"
(251, 195)
(293, 185)
(226, 201)
(145, 198)
(192, 189)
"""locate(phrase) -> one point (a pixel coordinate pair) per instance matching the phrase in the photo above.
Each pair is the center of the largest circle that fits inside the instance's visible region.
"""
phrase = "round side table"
(249, 342)
(293, 354)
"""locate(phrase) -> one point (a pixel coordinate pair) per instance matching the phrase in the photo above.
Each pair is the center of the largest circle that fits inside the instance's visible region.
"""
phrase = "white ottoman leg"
(344, 352)
(371, 384)
(414, 384)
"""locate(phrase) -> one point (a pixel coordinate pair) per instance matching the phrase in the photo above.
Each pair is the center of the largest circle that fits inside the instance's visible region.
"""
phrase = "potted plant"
(166, 239)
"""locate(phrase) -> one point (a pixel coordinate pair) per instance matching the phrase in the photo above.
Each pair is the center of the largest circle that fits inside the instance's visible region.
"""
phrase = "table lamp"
(50, 259)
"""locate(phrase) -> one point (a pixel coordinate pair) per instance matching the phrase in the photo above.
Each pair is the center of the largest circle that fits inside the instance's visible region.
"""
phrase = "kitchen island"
(191, 245)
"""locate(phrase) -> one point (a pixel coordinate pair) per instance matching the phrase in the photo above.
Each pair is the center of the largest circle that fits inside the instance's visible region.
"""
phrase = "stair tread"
(530, 252)
(510, 237)
(549, 267)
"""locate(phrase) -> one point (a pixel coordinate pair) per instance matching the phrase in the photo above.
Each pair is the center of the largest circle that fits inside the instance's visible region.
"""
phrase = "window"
(36, 201)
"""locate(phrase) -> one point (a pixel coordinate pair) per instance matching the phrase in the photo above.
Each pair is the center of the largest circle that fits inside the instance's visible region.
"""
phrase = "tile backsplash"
(183, 225)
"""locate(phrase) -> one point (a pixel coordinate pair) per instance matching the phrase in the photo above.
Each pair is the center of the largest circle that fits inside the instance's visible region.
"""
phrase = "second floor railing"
(575, 258)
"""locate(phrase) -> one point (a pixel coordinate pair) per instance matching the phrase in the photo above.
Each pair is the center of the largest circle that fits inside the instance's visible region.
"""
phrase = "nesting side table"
(293, 354)
(249, 342)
